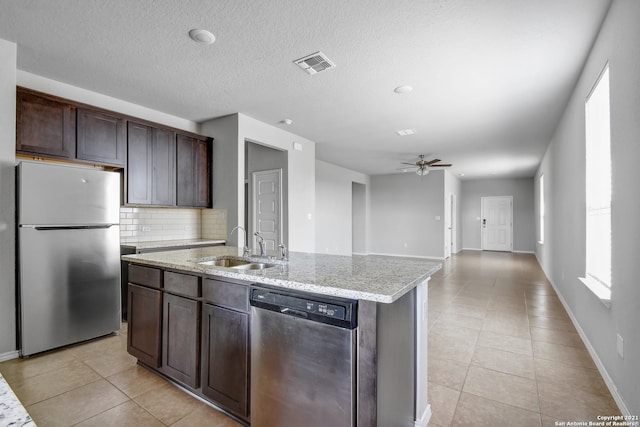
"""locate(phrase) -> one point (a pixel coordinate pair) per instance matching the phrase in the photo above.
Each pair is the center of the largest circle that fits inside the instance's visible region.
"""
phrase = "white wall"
(403, 213)
(522, 190)
(230, 134)
(8, 52)
(563, 252)
(334, 200)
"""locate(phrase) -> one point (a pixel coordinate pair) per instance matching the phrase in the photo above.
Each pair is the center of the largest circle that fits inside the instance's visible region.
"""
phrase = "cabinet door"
(44, 126)
(150, 165)
(225, 358)
(139, 163)
(193, 169)
(163, 168)
(100, 137)
(181, 339)
(145, 320)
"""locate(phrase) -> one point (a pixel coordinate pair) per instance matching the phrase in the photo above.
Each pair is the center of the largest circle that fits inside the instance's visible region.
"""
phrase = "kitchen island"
(179, 297)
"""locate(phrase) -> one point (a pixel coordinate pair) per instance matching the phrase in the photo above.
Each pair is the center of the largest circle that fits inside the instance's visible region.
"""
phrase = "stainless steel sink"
(239, 264)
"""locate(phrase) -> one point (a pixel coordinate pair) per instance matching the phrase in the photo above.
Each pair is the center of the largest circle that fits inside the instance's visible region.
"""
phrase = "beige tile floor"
(502, 349)
(502, 352)
(98, 384)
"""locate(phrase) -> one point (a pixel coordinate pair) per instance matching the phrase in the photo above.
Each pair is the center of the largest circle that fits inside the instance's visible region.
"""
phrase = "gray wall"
(522, 190)
(334, 208)
(563, 253)
(7, 198)
(359, 218)
(403, 213)
(224, 132)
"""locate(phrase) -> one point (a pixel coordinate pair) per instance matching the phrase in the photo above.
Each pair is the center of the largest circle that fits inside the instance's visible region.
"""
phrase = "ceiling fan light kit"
(423, 166)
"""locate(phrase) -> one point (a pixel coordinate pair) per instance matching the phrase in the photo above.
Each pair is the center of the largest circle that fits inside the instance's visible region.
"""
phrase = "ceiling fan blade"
(430, 162)
(405, 163)
(440, 166)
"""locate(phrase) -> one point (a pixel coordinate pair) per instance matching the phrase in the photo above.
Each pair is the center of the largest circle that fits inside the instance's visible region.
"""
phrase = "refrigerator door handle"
(71, 227)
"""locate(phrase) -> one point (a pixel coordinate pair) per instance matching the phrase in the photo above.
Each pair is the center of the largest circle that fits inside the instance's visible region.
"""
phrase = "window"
(541, 208)
(598, 189)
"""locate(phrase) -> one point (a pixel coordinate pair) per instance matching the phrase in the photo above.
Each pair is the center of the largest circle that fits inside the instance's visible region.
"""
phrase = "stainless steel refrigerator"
(68, 255)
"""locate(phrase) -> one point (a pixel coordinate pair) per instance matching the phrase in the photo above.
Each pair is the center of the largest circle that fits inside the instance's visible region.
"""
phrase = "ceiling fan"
(423, 166)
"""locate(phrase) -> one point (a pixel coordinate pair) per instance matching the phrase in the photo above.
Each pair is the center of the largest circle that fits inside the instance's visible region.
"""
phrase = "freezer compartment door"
(66, 195)
(69, 286)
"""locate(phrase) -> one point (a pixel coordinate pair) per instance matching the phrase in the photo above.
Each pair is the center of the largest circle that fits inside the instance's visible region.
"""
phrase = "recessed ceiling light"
(461, 174)
(406, 132)
(403, 89)
(286, 121)
(202, 36)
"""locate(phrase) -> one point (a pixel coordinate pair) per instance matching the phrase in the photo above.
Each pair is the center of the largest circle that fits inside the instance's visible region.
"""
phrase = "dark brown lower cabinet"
(225, 358)
(145, 322)
(181, 339)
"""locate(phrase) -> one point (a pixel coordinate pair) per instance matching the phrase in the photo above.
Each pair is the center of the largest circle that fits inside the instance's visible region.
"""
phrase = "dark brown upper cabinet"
(150, 165)
(193, 169)
(44, 125)
(100, 137)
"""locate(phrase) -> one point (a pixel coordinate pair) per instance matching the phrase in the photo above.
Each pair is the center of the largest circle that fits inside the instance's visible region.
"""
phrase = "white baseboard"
(9, 355)
(524, 252)
(408, 256)
(471, 249)
(592, 352)
(424, 419)
(359, 253)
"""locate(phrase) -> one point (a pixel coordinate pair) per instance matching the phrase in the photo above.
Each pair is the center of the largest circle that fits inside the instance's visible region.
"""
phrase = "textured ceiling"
(490, 77)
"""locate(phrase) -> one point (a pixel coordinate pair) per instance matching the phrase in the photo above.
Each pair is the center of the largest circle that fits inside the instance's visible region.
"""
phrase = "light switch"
(437, 217)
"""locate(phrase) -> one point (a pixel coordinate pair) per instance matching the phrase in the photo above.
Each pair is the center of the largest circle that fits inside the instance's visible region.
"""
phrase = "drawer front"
(183, 284)
(146, 276)
(226, 294)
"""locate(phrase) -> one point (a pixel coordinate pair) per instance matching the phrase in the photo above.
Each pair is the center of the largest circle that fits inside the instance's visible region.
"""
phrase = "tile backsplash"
(152, 224)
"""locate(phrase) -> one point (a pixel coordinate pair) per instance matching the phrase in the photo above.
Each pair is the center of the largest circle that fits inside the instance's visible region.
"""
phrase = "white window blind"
(598, 188)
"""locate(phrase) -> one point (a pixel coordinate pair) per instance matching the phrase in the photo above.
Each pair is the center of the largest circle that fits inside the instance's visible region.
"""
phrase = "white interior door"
(497, 223)
(267, 207)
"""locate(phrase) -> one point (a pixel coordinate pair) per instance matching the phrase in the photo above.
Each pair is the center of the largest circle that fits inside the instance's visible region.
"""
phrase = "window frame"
(598, 191)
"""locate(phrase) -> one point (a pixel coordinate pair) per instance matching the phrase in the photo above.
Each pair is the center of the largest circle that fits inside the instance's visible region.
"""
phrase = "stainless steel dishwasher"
(303, 359)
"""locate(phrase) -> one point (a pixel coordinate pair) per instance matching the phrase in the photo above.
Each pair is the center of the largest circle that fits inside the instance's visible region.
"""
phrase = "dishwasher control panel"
(319, 308)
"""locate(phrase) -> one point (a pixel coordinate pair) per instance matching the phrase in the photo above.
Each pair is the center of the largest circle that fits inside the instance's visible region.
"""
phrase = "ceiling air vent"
(314, 63)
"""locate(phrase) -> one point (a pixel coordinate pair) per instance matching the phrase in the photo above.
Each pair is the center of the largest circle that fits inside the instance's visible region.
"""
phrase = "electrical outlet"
(620, 346)
(437, 217)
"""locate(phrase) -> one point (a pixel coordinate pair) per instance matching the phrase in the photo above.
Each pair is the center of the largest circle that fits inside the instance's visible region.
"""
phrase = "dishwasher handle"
(292, 312)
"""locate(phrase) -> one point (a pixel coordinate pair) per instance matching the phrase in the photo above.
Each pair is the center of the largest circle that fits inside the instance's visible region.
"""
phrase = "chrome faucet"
(283, 252)
(245, 249)
(260, 241)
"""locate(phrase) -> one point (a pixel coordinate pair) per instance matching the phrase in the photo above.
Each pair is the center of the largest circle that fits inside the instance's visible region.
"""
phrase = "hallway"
(502, 349)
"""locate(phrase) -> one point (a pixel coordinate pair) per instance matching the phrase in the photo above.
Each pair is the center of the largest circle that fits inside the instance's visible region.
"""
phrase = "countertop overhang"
(375, 278)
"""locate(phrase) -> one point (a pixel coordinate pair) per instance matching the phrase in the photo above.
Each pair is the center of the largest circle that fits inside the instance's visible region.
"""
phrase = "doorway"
(450, 246)
(264, 159)
(497, 223)
(266, 206)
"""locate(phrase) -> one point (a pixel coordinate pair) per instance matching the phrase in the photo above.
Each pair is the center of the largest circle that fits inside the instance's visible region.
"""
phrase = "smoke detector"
(314, 63)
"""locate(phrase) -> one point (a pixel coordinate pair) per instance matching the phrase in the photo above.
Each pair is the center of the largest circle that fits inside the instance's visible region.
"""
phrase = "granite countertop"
(153, 244)
(12, 413)
(373, 278)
